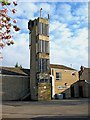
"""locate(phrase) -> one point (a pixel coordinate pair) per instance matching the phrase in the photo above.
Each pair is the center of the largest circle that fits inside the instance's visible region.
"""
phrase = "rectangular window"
(47, 29)
(44, 80)
(39, 46)
(48, 65)
(43, 65)
(40, 65)
(43, 29)
(58, 76)
(29, 38)
(47, 46)
(39, 28)
(43, 46)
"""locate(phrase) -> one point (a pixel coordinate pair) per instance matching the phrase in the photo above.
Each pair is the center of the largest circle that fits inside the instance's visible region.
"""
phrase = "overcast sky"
(68, 33)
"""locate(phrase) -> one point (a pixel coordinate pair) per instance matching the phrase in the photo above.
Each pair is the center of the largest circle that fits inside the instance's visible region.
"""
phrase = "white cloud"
(64, 12)
(19, 52)
(69, 42)
(82, 10)
(56, 25)
(25, 10)
(71, 51)
(47, 8)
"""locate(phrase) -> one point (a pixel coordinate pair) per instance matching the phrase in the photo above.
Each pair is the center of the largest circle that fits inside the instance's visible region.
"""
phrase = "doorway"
(51, 86)
(72, 91)
(80, 91)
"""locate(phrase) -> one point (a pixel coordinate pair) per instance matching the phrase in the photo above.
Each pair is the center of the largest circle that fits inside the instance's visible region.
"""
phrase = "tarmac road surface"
(70, 109)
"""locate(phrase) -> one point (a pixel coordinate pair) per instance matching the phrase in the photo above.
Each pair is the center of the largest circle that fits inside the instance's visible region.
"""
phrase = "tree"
(7, 23)
(18, 66)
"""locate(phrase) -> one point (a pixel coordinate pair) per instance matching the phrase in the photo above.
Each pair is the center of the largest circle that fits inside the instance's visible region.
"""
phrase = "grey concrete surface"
(40, 110)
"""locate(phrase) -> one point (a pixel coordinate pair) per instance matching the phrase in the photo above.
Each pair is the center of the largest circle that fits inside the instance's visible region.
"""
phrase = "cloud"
(23, 24)
(71, 50)
(53, 1)
(25, 10)
(47, 8)
(19, 52)
(68, 33)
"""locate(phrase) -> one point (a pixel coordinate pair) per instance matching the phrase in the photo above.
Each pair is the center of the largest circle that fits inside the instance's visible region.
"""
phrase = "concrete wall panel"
(13, 87)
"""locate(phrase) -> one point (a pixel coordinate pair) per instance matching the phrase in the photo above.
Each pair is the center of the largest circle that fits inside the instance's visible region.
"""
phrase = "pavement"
(65, 109)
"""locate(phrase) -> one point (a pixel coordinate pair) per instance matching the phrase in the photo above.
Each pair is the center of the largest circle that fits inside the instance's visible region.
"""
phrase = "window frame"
(59, 76)
(43, 46)
(43, 29)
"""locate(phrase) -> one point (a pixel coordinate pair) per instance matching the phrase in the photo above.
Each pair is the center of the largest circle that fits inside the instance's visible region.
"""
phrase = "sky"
(68, 33)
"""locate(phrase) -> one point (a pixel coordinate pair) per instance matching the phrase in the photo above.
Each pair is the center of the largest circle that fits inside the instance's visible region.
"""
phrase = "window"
(73, 74)
(43, 29)
(47, 46)
(47, 29)
(43, 46)
(39, 28)
(43, 65)
(44, 80)
(58, 76)
(30, 38)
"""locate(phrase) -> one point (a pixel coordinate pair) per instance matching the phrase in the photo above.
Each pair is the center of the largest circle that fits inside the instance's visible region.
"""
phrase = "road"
(41, 110)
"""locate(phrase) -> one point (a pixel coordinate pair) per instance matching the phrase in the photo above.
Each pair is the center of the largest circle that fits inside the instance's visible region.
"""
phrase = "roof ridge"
(55, 65)
(13, 70)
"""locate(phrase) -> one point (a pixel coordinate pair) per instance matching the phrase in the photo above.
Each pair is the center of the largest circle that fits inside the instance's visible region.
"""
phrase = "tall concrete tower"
(40, 87)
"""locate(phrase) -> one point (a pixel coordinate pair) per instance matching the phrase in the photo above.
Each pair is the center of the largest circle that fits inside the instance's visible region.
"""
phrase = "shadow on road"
(51, 118)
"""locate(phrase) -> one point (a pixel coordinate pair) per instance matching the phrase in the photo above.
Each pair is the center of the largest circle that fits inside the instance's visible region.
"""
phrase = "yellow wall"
(67, 77)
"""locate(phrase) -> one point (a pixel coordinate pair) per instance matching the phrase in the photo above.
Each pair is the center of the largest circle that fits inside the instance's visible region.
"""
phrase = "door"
(51, 86)
(72, 91)
(80, 91)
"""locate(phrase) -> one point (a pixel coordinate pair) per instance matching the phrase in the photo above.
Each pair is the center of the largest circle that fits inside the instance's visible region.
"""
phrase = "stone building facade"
(63, 77)
(15, 83)
(83, 85)
(39, 59)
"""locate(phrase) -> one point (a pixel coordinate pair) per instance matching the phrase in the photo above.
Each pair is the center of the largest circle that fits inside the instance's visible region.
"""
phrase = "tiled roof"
(14, 71)
(26, 72)
(61, 67)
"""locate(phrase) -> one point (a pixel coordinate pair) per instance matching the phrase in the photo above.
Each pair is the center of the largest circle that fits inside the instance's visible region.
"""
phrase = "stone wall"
(63, 86)
(85, 89)
(44, 91)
